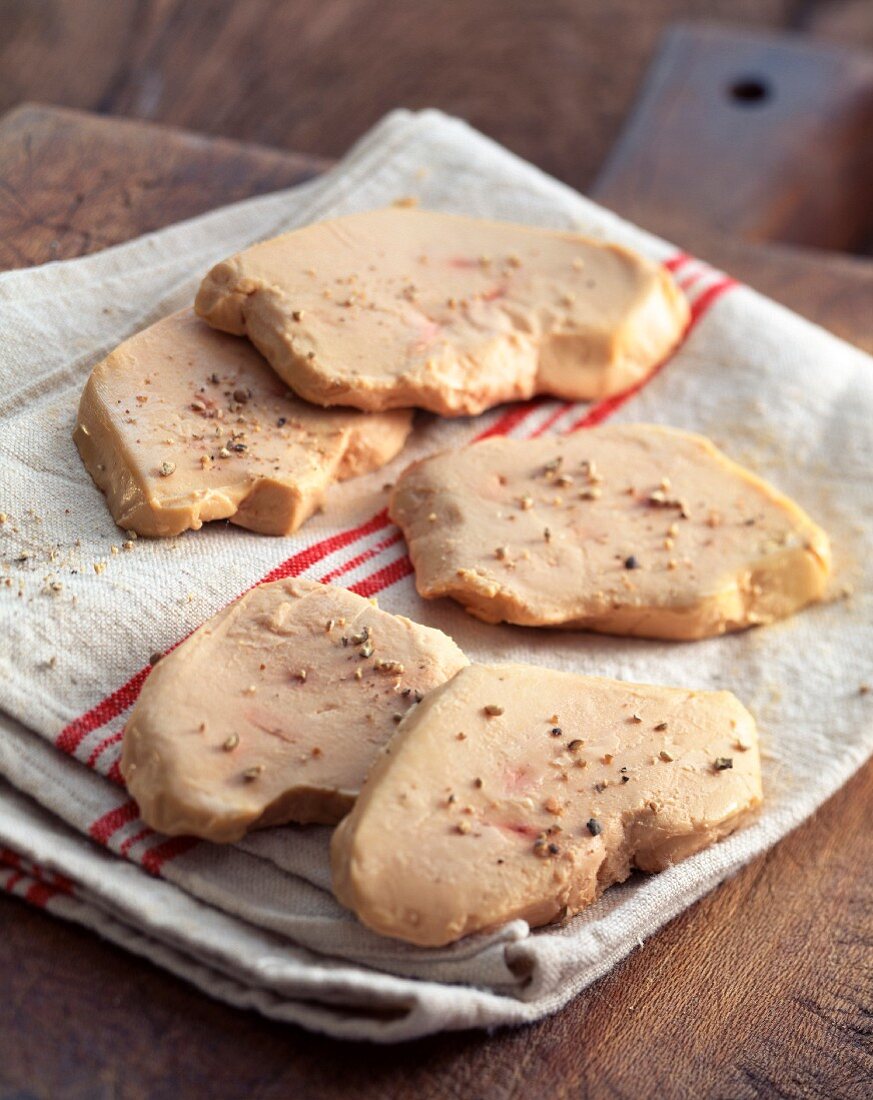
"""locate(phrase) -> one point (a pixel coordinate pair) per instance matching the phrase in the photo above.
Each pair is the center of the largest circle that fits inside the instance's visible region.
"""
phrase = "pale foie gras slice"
(274, 709)
(624, 529)
(403, 307)
(182, 424)
(522, 792)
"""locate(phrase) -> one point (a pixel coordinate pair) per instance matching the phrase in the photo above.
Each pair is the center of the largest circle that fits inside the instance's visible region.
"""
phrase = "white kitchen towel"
(255, 923)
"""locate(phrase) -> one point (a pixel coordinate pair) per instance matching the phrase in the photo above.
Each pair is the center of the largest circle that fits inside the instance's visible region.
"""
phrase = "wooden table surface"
(278, 71)
(761, 989)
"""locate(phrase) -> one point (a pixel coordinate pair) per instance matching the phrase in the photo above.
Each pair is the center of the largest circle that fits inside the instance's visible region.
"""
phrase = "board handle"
(762, 137)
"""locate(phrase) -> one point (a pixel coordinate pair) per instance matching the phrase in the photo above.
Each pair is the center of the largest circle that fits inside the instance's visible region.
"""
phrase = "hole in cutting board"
(750, 91)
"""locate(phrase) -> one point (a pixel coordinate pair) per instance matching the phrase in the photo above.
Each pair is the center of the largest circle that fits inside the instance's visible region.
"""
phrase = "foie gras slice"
(626, 529)
(274, 709)
(522, 792)
(182, 424)
(405, 307)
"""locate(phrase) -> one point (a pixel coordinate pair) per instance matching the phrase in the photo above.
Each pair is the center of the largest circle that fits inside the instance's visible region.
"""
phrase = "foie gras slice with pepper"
(624, 529)
(182, 424)
(402, 307)
(522, 792)
(274, 709)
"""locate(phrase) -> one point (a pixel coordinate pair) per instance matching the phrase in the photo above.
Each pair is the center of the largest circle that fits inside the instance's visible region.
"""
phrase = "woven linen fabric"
(255, 923)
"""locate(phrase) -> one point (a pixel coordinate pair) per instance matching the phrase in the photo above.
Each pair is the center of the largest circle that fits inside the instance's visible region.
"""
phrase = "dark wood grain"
(762, 989)
(756, 137)
(551, 79)
(73, 183)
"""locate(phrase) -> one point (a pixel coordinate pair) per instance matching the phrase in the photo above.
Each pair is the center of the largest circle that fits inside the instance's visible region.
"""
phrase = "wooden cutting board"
(760, 989)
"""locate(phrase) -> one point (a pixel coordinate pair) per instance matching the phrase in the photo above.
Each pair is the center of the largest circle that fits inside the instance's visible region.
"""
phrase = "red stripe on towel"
(305, 559)
(109, 824)
(154, 859)
(112, 739)
(72, 735)
(384, 578)
(366, 555)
